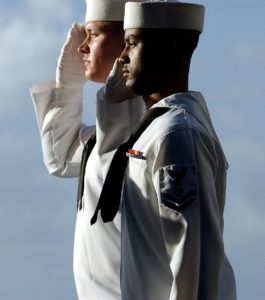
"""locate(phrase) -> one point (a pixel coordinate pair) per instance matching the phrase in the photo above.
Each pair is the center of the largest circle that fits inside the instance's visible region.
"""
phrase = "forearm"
(116, 121)
(62, 133)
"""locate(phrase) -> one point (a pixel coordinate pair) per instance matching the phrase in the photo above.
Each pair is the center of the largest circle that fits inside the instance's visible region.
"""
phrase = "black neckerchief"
(109, 200)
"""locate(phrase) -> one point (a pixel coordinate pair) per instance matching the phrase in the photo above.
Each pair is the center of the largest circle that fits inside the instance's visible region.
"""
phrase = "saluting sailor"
(58, 106)
(173, 189)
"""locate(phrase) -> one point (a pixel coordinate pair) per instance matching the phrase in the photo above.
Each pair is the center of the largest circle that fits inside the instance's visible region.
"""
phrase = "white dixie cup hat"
(164, 14)
(105, 10)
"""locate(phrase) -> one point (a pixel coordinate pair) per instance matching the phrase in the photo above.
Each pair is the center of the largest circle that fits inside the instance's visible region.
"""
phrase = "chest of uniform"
(138, 181)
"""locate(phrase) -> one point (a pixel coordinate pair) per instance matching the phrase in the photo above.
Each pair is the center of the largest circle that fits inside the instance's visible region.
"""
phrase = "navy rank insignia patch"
(178, 186)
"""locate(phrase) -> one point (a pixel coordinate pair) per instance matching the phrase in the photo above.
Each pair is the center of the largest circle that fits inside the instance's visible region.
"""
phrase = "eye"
(130, 45)
(93, 34)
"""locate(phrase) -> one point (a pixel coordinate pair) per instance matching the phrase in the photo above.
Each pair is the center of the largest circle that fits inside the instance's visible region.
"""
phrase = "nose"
(84, 48)
(124, 58)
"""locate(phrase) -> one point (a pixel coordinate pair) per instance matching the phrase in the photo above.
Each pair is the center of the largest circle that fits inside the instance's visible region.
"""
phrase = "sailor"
(173, 189)
(58, 106)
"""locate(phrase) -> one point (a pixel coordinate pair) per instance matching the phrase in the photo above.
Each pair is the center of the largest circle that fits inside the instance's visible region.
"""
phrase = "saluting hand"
(115, 89)
(70, 70)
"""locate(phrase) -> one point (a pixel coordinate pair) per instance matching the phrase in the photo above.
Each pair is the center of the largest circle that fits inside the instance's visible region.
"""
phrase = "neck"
(178, 85)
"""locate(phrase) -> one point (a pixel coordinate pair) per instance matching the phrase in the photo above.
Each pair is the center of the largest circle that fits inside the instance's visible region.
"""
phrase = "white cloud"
(22, 49)
(43, 11)
(30, 45)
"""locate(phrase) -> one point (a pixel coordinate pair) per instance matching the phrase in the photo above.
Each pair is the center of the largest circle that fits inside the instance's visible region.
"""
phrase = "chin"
(137, 87)
(131, 84)
(88, 75)
(94, 77)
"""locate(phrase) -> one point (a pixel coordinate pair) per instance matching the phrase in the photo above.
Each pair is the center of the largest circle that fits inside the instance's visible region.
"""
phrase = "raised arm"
(58, 106)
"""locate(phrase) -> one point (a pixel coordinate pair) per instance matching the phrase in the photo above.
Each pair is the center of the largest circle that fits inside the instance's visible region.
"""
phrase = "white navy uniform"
(173, 201)
(63, 136)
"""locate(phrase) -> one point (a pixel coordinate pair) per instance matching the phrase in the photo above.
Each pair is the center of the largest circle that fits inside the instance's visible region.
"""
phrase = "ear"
(172, 50)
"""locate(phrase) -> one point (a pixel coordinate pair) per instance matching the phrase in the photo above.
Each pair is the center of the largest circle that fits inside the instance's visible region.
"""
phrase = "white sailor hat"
(164, 14)
(105, 10)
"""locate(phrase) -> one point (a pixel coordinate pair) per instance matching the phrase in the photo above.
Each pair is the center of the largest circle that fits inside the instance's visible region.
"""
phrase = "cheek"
(105, 53)
(135, 61)
(102, 57)
(96, 53)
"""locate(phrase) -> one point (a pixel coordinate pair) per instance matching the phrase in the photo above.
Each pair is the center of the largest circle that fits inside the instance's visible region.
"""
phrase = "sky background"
(37, 211)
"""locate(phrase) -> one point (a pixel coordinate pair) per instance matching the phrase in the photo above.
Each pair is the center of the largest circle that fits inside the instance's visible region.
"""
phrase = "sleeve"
(63, 135)
(116, 121)
(184, 177)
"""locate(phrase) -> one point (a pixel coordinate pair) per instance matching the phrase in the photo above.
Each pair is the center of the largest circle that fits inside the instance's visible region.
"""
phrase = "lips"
(86, 59)
(86, 62)
(125, 72)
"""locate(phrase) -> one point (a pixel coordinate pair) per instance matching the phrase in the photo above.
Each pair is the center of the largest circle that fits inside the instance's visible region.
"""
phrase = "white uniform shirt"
(96, 248)
(172, 209)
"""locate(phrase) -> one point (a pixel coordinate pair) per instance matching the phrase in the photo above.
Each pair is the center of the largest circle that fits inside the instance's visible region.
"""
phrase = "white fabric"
(105, 10)
(172, 209)
(165, 254)
(97, 248)
(175, 15)
(115, 89)
(70, 71)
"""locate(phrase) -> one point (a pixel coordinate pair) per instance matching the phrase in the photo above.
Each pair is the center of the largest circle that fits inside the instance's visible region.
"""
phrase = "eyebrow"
(88, 29)
(130, 36)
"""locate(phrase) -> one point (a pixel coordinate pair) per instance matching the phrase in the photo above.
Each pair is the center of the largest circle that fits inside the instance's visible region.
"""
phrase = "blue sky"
(37, 211)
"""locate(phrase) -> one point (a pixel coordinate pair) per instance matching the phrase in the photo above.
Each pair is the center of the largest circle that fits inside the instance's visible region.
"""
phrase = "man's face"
(103, 44)
(145, 61)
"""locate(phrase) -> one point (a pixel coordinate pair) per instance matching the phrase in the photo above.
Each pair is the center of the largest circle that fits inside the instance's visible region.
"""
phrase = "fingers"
(76, 34)
(77, 28)
(116, 71)
(75, 37)
(70, 68)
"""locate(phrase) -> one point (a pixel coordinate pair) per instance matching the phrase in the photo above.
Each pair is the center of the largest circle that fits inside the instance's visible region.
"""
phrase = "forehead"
(103, 26)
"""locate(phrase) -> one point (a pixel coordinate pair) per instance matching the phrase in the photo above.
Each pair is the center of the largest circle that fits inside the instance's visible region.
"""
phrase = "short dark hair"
(185, 41)
(188, 39)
